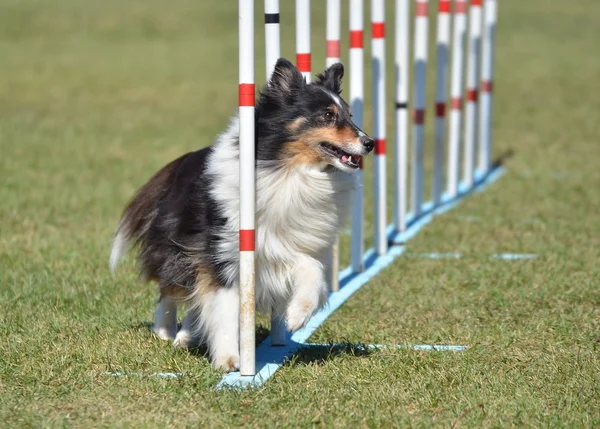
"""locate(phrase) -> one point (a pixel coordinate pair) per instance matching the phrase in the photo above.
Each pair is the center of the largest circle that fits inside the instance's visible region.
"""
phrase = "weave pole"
(379, 121)
(332, 56)
(443, 43)
(272, 54)
(401, 55)
(472, 91)
(487, 78)
(357, 105)
(272, 35)
(334, 19)
(303, 57)
(247, 188)
(421, 23)
(456, 92)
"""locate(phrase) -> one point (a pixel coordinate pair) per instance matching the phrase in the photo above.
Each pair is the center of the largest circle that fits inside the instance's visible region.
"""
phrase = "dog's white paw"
(185, 340)
(227, 363)
(165, 332)
(299, 313)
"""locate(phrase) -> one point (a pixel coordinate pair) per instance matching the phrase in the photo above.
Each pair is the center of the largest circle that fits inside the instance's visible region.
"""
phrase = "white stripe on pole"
(401, 132)
(334, 19)
(356, 103)
(303, 56)
(379, 122)
(247, 188)
(456, 93)
(472, 90)
(272, 38)
(421, 23)
(443, 43)
(487, 85)
(272, 54)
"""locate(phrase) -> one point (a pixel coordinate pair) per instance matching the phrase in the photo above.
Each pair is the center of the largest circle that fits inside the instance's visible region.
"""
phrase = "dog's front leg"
(309, 292)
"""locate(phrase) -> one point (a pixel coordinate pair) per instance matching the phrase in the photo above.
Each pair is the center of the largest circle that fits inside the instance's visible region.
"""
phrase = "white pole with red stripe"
(357, 105)
(456, 93)
(247, 188)
(379, 122)
(401, 124)
(332, 56)
(272, 38)
(334, 18)
(472, 91)
(272, 54)
(443, 43)
(487, 81)
(421, 23)
(303, 57)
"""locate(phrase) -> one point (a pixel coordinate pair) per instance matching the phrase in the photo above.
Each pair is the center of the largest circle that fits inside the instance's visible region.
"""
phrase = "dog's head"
(300, 123)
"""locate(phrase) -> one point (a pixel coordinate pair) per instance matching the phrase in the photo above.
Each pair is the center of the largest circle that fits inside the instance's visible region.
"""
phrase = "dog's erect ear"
(286, 78)
(331, 78)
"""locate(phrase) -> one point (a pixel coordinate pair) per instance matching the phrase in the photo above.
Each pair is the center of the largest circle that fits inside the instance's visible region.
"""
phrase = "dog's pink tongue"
(344, 159)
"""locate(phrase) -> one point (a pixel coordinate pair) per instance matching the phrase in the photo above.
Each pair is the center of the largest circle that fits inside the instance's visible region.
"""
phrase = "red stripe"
(461, 6)
(472, 95)
(333, 48)
(444, 6)
(378, 30)
(421, 8)
(419, 116)
(380, 147)
(487, 86)
(456, 103)
(440, 110)
(475, 2)
(246, 240)
(356, 39)
(303, 62)
(246, 94)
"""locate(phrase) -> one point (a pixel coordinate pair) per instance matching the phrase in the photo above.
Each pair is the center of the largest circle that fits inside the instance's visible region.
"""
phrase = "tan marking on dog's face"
(294, 126)
(301, 152)
(335, 109)
(306, 150)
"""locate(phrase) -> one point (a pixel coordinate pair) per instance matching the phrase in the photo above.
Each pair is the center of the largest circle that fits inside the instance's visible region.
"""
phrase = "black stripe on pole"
(401, 105)
(271, 18)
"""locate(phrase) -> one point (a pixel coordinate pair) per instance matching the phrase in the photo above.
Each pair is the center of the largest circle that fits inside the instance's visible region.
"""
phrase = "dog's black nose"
(367, 142)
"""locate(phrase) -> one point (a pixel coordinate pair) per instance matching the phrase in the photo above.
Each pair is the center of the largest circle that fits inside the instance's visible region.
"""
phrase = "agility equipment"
(471, 145)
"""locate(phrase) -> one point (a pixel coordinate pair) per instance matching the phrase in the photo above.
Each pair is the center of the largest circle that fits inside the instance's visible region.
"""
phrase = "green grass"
(95, 96)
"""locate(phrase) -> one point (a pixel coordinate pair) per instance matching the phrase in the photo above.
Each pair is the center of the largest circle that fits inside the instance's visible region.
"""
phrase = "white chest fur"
(299, 211)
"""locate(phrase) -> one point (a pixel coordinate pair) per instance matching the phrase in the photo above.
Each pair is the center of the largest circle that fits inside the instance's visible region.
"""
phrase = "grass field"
(95, 96)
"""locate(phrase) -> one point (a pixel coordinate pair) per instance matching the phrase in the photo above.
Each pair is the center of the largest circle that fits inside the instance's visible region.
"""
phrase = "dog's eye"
(329, 116)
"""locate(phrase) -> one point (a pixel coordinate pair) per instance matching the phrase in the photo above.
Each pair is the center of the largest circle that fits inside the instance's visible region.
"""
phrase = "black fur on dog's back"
(172, 221)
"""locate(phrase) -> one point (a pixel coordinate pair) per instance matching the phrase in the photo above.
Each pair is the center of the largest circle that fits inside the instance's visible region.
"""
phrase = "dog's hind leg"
(165, 318)
(221, 323)
(217, 308)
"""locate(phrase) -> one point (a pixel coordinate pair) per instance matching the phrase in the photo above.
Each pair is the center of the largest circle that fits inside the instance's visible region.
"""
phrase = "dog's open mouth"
(352, 161)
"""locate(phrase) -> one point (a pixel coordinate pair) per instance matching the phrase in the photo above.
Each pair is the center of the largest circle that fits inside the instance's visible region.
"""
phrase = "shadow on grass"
(502, 158)
(320, 354)
(201, 350)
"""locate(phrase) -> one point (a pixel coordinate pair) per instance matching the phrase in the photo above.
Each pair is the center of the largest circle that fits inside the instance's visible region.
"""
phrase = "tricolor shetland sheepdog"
(185, 220)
